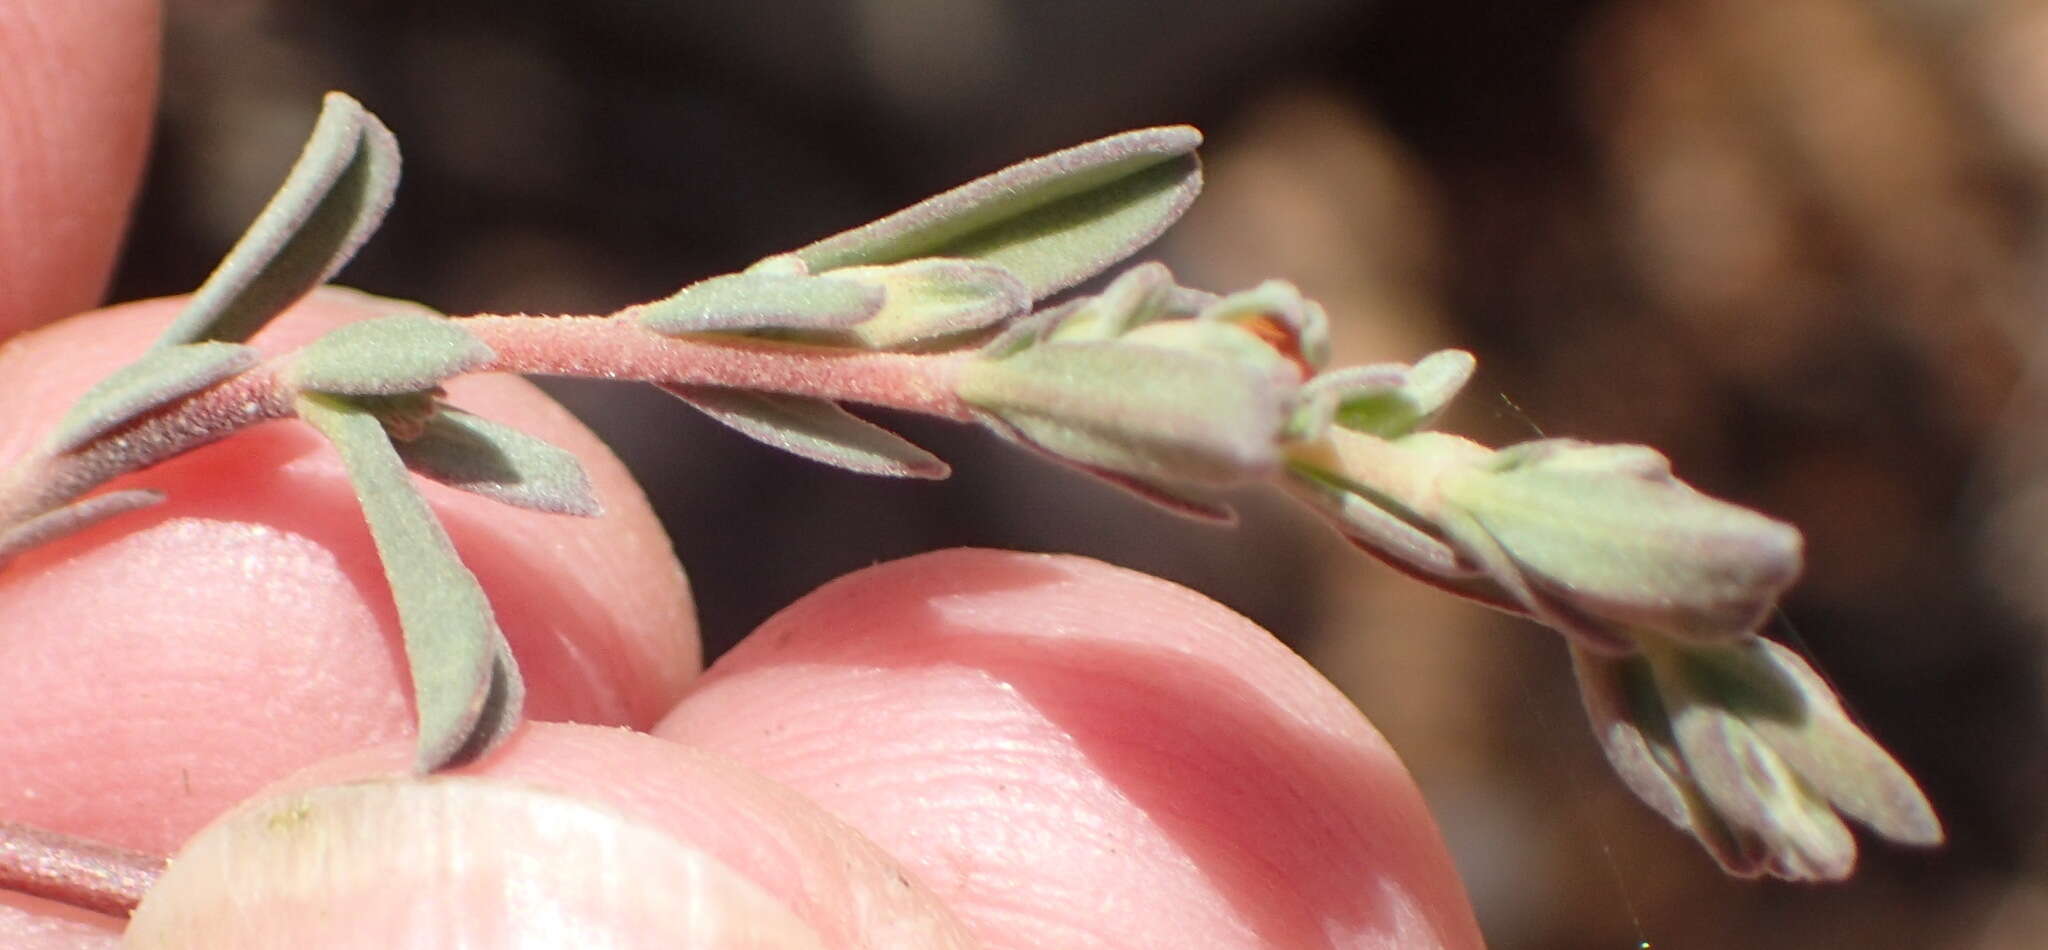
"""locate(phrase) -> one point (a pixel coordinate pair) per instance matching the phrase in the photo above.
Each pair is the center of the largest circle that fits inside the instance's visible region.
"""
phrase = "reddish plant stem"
(593, 347)
(612, 348)
(92, 875)
(42, 483)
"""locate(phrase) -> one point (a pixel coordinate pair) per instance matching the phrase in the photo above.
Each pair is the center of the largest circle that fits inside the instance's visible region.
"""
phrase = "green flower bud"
(1166, 391)
(1166, 417)
(1745, 747)
(1602, 540)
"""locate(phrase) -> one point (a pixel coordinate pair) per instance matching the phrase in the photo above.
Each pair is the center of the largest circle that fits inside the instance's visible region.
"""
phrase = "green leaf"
(334, 197)
(1157, 414)
(503, 710)
(160, 376)
(1390, 400)
(1136, 297)
(934, 299)
(759, 300)
(71, 519)
(815, 429)
(461, 683)
(1179, 499)
(499, 462)
(401, 353)
(1052, 221)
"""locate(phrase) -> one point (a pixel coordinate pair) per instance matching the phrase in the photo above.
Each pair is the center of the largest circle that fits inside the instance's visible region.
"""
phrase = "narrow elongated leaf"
(334, 197)
(1185, 500)
(504, 707)
(815, 429)
(160, 376)
(401, 353)
(935, 299)
(452, 643)
(499, 462)
(759, 300)
(1052, 221)
(1157, 414)
(73, 518)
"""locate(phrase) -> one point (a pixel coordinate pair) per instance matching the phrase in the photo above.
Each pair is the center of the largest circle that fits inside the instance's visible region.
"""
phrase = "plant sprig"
(1176, 394)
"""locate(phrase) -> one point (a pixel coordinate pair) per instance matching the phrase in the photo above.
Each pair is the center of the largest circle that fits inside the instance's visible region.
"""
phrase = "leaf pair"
(1744, 746)
(335, 196)
(467, 688)
(941, 272)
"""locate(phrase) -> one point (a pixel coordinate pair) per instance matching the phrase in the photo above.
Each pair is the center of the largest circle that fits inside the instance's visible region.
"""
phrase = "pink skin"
(1035, 751)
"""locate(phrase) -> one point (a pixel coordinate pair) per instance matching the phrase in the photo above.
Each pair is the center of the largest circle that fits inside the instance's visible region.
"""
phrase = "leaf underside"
(72, 519)
(333, 198)
(462, 683)
(815, 429)
(160, 376)
(1052, 221)
(1180, 501)
(499, 462)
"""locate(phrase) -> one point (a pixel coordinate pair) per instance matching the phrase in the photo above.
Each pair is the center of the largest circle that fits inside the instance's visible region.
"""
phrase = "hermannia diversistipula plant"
(1173, 393)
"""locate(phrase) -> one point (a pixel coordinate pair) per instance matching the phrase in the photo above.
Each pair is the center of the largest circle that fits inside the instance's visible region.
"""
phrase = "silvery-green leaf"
(1161, 415)
(1028, 332)
(1136, 297)
(933, 299)
(1282, 312)
(1838, 759)
(499, 462)
(1473, 540)
(1178, 499)
(161, 375)
(1319, 398)
(1609, 543)
(1754, 791)
(1634, 729)
(452, 642)
(1052, 221)
(335, 196)
(760, 300)
(1390, 400)
(72, 518)
(504, 707)
(815, 429)
(1374, 520)
(404, 352)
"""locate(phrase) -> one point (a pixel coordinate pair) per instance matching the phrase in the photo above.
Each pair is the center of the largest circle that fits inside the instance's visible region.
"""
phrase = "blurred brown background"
(1798, 244)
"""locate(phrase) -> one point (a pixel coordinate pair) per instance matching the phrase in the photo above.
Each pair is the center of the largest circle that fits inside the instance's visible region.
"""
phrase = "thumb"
(567, 836)
(77, 88)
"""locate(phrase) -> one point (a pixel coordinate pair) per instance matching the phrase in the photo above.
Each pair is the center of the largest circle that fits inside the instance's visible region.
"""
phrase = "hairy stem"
(91, 875)
(592, 347)
(610, 348)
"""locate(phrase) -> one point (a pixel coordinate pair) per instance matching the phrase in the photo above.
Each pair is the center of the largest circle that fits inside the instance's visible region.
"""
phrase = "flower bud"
(1165, 391)
(1608, 541)
(1745, 747)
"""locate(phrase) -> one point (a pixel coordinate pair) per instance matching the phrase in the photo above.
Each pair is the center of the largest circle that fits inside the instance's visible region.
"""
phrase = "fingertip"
(78, 89)
(165, 664)
(452, 862)
(1041, 737)
(825, 875)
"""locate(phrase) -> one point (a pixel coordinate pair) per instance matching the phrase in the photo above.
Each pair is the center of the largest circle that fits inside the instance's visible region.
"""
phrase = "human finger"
(1073, 754)
(78, 90)
(567, 836)
(165, 664)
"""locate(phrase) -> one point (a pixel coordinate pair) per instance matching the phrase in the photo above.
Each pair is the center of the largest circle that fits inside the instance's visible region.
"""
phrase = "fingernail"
(451, 862)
